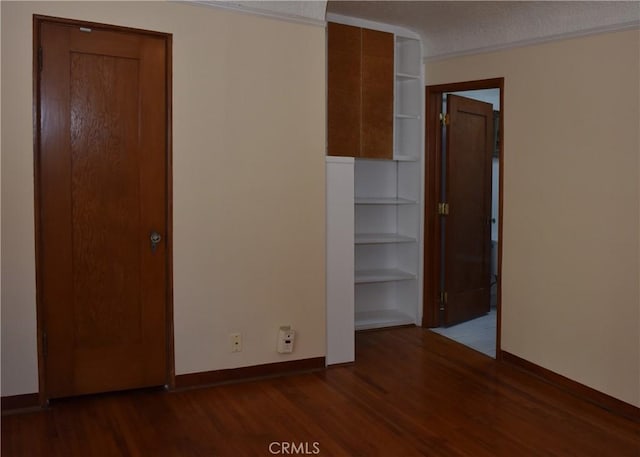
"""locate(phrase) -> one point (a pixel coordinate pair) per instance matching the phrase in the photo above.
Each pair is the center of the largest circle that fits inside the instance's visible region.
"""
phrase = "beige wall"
(571, 300)
(248, 170)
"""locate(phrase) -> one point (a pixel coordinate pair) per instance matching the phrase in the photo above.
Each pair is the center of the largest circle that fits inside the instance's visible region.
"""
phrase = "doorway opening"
(463, 216)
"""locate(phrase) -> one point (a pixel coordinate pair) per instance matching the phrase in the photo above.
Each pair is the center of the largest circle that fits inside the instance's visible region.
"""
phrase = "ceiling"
(458, 27)
(452, 27)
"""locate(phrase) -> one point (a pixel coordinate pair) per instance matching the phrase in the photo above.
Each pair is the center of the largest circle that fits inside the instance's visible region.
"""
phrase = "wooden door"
(101, 191)
(467, 256)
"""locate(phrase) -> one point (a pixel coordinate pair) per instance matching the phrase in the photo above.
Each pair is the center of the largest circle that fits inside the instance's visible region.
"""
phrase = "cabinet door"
(377, 94)
(344, 90)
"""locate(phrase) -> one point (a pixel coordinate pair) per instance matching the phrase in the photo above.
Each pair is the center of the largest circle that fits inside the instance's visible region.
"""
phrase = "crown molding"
(230, 6)
(539, 40)
(357, 22)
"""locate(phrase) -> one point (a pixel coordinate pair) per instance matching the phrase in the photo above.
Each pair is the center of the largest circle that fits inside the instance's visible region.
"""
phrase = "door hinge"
(45, 344)
(443, 209)
(40, 59)
(444, 118)
(443, 300)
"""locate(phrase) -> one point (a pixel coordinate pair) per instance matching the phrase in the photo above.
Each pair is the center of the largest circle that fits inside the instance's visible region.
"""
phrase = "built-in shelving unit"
(388, 201)
(387, 247)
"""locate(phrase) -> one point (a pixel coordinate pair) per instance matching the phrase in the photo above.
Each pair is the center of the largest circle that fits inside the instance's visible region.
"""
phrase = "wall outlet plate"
(235, 339)
(286, 336)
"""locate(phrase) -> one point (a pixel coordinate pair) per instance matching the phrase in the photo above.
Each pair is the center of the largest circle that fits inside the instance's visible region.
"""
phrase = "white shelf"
(383, 201)
(405, 158)
(381, 318)
(382, 238)
(386, 275)
(406, 77)
(407, 116)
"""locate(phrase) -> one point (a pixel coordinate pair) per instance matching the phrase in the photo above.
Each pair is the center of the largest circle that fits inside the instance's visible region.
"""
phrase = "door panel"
(469, 147)
(344, 95)
(106, 269)
(102, 167)
(377, 94)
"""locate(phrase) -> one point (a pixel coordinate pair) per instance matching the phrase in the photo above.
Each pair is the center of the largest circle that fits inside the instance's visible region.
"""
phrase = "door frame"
(433, 178)
(168, 38)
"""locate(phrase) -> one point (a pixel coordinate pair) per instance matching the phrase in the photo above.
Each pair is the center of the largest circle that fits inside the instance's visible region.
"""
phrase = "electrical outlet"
(286, 336)
(236, 342)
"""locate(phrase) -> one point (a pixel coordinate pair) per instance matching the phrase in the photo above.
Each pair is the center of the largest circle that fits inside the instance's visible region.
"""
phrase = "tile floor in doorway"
(478, 334)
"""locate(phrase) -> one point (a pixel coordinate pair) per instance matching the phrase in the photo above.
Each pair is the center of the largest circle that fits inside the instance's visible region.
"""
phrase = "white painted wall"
(571, 259)
(249, 182)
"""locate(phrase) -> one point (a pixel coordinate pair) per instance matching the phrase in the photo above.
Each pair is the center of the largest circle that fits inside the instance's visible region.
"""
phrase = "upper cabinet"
(344, 90)
(360, 92)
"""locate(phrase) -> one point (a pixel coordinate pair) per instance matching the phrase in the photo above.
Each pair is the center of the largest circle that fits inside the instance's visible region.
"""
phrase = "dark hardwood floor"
(411, 393)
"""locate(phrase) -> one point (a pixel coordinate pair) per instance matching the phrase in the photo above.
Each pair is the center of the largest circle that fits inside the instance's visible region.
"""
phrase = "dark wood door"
(101, 178)
(377, 94)
(467, 256)
(344, 94)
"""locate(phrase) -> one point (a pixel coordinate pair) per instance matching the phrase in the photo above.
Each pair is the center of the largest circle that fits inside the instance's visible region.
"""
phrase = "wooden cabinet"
(360, 92)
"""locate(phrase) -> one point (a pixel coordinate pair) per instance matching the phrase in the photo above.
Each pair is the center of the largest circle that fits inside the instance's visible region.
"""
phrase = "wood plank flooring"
(411, 393)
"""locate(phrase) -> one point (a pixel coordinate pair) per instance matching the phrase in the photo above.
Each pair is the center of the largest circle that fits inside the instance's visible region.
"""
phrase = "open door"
(467, 221)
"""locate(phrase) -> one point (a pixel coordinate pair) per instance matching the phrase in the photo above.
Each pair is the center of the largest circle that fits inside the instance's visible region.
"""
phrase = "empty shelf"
(384, 201)
(380, 238)
(391, 274)
(406, 77)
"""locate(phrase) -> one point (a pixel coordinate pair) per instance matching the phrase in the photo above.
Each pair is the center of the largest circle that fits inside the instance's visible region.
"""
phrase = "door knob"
(155, 239)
